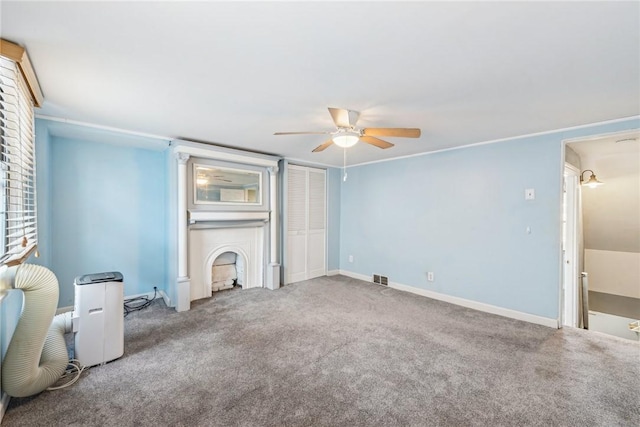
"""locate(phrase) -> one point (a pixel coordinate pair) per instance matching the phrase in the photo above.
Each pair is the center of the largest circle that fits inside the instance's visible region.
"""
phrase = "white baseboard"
(165, 297)
(356, 275)
(4, 404)
(149, 295)
(333, 272)
(145, 294)
(66, 309)
(487, 308)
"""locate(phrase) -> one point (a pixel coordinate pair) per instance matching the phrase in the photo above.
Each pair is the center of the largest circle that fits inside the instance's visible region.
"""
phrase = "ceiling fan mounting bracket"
(348, 130)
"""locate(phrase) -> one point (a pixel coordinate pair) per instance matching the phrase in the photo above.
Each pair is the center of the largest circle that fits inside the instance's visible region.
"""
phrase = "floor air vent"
(380, 280)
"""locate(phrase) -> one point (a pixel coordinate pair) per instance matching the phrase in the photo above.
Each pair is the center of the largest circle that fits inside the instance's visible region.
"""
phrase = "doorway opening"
(601, 235)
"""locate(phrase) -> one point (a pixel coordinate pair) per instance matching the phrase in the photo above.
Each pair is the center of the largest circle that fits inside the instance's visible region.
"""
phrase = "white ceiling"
(607, 145)
(612, 211)
(232, 73)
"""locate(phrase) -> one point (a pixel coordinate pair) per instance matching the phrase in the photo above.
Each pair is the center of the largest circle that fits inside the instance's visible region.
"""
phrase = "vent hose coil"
(37, 355)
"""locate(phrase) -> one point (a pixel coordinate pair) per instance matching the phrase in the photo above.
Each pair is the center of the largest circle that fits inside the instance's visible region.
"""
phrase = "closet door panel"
(306, 223)
(316, 254)
(296, 225)
(316, 259)
(297, 265)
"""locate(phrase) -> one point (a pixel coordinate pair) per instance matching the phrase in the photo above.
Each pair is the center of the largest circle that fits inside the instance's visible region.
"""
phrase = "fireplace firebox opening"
(227, 271)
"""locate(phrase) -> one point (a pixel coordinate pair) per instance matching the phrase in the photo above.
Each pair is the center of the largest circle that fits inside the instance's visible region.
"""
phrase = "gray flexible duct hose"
(37, 355)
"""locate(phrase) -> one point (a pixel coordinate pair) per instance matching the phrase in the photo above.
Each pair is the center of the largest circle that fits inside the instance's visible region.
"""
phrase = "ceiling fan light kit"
(346, 139)
(347, 135)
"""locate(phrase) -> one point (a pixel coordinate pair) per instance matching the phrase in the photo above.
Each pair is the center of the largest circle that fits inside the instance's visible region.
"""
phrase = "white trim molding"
(228, 155)
(195, 216)
(475, 305)
(4, 404)
(509, 138)
(62, 310)
(149, 295)
(165, 298)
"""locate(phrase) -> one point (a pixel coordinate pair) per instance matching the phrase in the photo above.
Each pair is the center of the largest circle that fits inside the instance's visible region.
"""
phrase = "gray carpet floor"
(342, 352)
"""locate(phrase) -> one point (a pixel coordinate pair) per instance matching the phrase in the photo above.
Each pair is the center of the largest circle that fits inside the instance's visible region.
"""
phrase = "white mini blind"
(17, 165)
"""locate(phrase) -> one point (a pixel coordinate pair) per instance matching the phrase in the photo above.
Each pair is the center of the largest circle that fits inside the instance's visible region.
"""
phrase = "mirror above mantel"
(220, 186)
(215, 185)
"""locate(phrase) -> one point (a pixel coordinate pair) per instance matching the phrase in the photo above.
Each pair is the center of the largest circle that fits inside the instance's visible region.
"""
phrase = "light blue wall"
(43, 192)
(462, 215)
(108, 213)
(10, 309)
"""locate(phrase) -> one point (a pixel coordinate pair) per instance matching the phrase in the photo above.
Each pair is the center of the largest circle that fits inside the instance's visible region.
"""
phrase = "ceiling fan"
(347, 135)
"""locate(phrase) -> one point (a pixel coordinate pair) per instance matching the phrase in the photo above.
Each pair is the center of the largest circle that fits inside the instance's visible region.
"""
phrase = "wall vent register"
(381, 280)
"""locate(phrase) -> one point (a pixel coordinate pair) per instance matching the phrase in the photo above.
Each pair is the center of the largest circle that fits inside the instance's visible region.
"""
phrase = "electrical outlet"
(430, 276)
(350, 258)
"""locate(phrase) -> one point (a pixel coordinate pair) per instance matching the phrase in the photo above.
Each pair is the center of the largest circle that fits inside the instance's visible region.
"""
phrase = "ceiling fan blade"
(323, 146)
(400, 132)
(344, 118)
(375, 141)
(301, 133)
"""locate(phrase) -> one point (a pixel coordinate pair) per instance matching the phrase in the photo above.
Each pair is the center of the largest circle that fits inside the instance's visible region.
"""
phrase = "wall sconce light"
(592, 182)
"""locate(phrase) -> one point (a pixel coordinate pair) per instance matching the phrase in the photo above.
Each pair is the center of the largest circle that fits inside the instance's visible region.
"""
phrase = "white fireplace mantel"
(199, 216)
(269, 271)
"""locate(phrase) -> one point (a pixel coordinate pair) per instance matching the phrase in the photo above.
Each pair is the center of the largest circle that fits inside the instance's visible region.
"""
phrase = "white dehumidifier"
(98, 318)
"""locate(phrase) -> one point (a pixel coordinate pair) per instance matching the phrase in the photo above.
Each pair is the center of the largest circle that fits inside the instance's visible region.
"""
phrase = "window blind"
(17, 166)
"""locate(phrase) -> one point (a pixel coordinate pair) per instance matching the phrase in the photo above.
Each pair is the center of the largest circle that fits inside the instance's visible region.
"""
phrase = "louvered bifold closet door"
(316, 240)
(306, 223)
(296, 268)
(17, 165)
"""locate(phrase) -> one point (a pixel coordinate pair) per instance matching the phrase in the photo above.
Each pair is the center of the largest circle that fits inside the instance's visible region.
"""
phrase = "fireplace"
(225, 202)
(206, 245)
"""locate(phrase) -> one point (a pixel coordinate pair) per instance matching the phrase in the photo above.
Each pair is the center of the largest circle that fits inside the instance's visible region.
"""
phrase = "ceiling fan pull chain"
(344, 166)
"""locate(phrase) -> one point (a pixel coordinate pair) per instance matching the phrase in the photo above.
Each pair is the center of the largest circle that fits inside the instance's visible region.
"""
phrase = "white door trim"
(569, 294)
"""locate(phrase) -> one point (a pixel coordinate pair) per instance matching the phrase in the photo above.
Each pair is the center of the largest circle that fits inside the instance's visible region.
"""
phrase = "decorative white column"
(183, 302)
(273, 271)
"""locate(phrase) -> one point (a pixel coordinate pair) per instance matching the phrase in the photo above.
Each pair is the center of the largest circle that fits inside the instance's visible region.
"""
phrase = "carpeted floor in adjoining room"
(341, 352)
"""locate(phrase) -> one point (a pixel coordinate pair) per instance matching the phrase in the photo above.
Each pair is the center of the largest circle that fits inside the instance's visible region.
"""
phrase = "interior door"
(316, 232)
(306, 223)
(569, 311)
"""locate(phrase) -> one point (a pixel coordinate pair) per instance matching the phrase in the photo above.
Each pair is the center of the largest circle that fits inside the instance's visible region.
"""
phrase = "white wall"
(614, 272)
(612, 211)
(612, 224)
